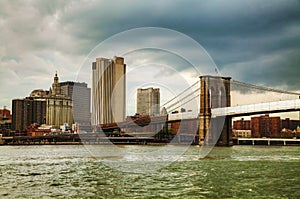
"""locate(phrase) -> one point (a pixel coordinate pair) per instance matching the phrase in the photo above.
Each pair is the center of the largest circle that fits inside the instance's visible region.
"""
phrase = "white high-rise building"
(108, 90)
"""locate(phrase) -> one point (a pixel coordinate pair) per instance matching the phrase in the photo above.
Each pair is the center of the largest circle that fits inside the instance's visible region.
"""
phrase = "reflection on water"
(72, 171)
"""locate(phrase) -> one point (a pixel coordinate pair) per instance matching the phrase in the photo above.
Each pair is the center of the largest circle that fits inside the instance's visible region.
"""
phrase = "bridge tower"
(214, 93)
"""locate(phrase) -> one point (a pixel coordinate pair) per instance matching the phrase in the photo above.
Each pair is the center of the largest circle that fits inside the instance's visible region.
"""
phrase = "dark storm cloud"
(233, 32)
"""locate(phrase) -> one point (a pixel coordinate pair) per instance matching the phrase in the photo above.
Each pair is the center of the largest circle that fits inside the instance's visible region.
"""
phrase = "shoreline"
(151, 141)
(138, 143)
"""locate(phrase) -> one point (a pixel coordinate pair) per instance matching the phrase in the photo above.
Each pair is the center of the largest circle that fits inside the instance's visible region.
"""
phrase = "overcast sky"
(253, 41)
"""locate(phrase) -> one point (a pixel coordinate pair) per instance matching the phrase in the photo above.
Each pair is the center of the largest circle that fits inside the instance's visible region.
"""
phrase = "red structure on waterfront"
(241, 124)
(266, 126)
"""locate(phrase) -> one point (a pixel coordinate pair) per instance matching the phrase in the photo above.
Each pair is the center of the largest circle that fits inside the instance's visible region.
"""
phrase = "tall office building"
(109, 90)
(28, 111)
(59, 106)
(148, 101)
(81, 97)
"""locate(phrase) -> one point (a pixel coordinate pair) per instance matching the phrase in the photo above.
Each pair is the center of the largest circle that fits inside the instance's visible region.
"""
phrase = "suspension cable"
(264, 88)
(186, 96)
(180, 94)
(184, 103)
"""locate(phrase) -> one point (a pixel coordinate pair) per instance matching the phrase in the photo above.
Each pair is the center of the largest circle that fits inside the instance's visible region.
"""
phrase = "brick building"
(241, 124)
(290, 124)
(5, 119)
(266, 126)
(27, 111)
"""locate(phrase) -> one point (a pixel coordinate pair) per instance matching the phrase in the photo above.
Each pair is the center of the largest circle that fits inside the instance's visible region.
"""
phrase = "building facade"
(287, 123)
(108, 90)
(59, 106)
(266, 126)
(5, 114)
(81, 98)
(241, 124)
(148, 101)
(5, 119)
(241, 133)
(28, 111)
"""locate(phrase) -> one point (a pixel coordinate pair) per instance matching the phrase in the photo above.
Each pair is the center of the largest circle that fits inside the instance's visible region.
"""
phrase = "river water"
(72, 171)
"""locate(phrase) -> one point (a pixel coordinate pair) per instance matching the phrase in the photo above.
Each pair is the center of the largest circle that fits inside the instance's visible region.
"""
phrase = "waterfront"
(71, 171)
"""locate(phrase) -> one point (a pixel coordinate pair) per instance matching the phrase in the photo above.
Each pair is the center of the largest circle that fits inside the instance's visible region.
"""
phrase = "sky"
(255, 41)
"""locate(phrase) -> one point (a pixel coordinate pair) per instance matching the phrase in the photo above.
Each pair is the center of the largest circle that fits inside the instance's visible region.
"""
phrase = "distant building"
(37, 130)
(38, 94)
(266, 126)
(148, 101)
(241, 133)
(81, 97)
(287, 123)
(5, 114)
(5, 119)
(241, 124)
(59, 106)
(108, 90)
(28, 111)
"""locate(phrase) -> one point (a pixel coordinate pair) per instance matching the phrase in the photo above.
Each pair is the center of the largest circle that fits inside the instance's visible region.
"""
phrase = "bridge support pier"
(226, 135)
(214, 93)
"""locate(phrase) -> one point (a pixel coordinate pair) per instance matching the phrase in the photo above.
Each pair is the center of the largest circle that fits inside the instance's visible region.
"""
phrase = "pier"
(266, 141)
(91, 138)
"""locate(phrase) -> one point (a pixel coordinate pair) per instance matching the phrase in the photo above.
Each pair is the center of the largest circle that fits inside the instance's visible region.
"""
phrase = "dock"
(267, 141)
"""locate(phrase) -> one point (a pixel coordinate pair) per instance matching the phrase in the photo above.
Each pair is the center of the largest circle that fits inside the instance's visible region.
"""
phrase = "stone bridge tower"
(214, 93)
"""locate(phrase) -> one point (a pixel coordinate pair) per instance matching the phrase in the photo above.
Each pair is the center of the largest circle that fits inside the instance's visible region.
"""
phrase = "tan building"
(148, 101)
(108, 90)
(59, 106)
(241, 133)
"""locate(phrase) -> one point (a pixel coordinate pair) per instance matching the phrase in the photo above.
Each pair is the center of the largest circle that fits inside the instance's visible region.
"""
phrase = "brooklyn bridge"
(213, 118)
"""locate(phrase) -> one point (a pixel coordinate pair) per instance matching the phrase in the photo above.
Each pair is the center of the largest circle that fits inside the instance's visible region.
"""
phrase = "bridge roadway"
(244, 110)
(261, 108)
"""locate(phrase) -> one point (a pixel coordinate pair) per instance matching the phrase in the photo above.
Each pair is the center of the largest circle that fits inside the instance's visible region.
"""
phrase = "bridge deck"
(252, 109)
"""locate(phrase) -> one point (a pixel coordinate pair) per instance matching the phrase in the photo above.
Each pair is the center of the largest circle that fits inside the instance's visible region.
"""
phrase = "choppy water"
(72, 172)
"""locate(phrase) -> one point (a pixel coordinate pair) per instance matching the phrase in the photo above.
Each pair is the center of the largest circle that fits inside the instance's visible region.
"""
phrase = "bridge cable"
(179, 94)
(186, 96)
(184, 103)
(264, 88)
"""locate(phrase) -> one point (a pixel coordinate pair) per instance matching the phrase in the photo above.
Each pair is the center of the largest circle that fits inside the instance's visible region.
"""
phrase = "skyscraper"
(148, 101)
(81, 97)
(28, 111)
(109, 90)
(59, 106)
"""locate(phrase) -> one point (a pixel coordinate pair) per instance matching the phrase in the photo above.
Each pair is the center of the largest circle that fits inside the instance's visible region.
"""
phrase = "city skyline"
(65, 103)
(261, 46)
(224, 73)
